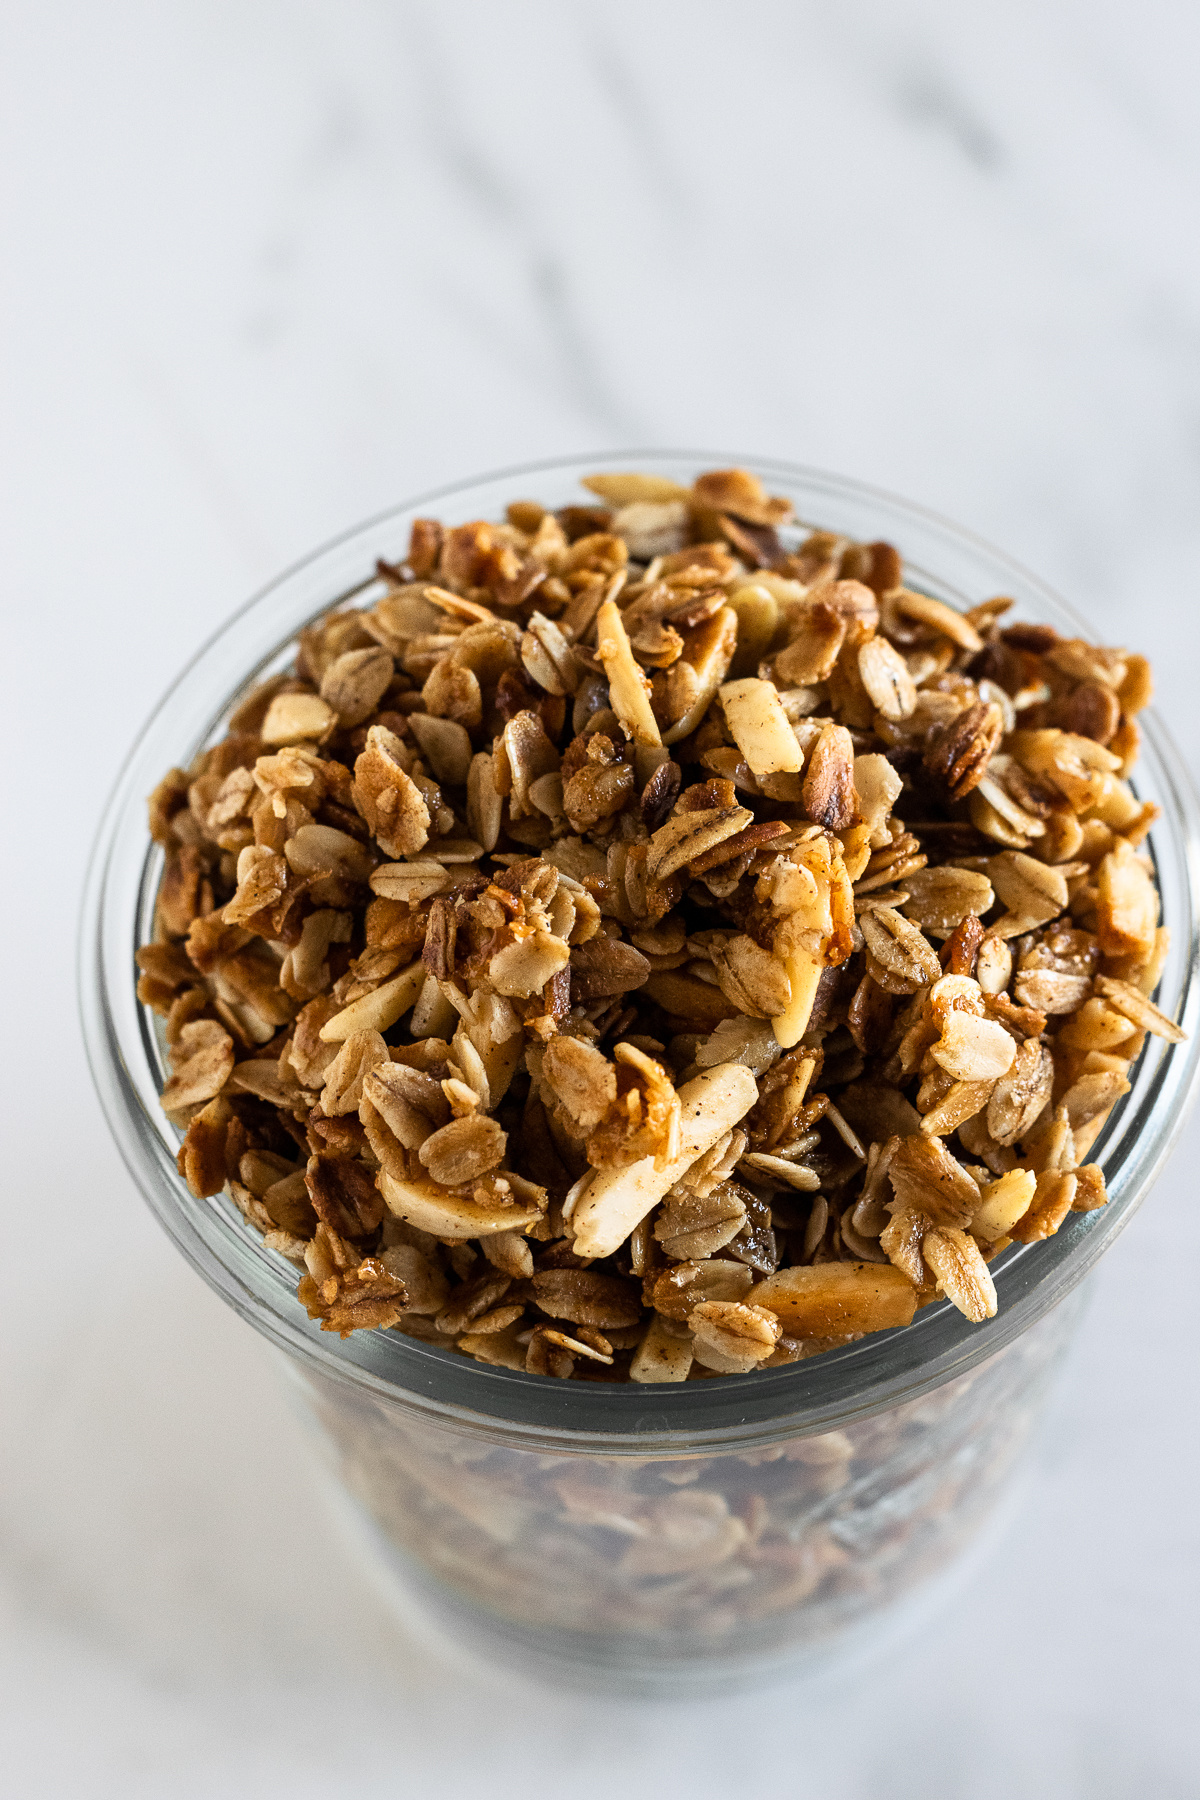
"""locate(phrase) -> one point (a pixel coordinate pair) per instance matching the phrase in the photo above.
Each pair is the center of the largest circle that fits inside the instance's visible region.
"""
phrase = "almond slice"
(618, 1199)
(378, 1010)
(709, 651)
(833, 1299)
(432, 1208)
(626, 489)
(628, 688)
(755, 716)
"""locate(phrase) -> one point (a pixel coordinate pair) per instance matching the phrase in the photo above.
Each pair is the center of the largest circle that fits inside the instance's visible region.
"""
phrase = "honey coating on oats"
(648, 940)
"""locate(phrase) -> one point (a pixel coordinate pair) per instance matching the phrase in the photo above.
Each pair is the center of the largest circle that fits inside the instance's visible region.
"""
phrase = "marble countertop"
(270, 268)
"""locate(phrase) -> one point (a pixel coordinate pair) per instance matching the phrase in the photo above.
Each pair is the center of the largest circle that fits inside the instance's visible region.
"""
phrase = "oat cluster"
(648, 939)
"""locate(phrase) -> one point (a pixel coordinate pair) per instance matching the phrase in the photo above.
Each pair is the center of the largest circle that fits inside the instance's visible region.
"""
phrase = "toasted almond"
(661, 1355)
(628, 688)
(707, 655)
(828, 790)
(755, 716)
(296, 719)
(431, 1208)
(627, 488)
(834, 1299)
(618, 1199)
(1004, 1202)
(378, 1010)
(1126, 904)
(757, 611)
(974, 1049)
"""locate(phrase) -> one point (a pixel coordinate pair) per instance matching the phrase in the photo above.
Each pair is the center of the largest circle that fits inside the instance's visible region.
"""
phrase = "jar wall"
(679, 1561)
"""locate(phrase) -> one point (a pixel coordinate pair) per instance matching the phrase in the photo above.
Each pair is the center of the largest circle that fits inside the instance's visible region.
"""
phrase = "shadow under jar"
(681, 1536)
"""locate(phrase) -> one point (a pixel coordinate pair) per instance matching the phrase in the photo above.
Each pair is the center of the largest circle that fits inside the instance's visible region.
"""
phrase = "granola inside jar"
(557, 1297)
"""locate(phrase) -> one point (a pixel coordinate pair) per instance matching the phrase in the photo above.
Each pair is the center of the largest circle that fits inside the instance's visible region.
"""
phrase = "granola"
(649, 940)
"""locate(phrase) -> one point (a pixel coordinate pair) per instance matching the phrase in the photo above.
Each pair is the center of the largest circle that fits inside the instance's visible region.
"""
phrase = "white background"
(272, 265)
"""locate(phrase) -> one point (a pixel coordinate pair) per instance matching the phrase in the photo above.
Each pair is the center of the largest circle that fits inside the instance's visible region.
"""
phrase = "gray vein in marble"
(502, 208)
(926, 97)
(651, 153)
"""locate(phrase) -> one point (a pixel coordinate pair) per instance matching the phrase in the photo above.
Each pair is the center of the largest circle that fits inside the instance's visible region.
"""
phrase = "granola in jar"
(651, 941)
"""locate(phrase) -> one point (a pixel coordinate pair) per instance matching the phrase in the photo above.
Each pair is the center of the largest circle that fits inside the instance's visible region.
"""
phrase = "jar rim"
(817, 1394)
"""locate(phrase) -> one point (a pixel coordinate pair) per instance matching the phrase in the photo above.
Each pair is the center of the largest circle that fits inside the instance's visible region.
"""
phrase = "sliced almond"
(1126, 904)
(433, 1209)
(618, 1199)
(834, 1299)
(759, 726)
(627, 488)
(708, 653)
(629, 690)
(973, 1049)
(378, 1010)
(1004, 1202)
(296, 719)
(757, 612)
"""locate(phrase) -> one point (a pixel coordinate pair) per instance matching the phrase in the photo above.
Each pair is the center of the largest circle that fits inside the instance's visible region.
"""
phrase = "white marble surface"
(269, 267)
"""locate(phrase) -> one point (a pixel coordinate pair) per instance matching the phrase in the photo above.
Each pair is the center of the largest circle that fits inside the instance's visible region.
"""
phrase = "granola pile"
(648, 940)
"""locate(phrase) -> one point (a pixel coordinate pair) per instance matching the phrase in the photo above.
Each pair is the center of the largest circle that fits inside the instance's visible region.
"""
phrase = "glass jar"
(683, 1535)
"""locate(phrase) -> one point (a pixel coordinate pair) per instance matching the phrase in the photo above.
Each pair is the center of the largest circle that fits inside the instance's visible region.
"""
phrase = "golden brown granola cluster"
(548, 973)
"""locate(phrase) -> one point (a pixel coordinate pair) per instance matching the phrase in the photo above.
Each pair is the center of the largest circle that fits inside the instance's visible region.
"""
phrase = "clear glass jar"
(679, 1536)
